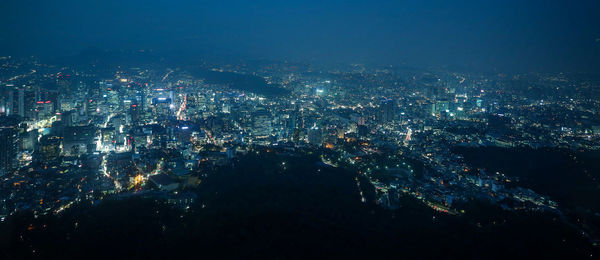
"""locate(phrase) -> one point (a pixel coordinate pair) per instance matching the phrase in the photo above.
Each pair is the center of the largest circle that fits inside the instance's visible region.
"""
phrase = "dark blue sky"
(508, 34)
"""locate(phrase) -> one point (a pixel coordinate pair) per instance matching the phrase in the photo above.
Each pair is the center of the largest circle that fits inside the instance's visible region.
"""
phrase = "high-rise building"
(21, 104)
(440, 107)
(262, 124)
(67, 117)
(28, 140)
(387, 111)
(134, 114)
(10, 101)
(315, 136)
(49, 148)
(8, 154)
(64, 82)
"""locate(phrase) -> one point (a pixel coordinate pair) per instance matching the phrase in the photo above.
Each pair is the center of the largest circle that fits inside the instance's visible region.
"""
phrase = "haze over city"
(509, 35)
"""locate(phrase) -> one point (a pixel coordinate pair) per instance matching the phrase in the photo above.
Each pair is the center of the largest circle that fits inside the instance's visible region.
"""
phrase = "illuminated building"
(49, 148)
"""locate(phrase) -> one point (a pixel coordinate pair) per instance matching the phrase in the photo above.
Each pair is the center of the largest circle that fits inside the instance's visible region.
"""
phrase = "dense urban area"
(75, 134)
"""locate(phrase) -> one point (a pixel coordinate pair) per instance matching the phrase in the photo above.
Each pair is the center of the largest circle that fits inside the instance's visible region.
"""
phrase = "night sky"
(507, 35)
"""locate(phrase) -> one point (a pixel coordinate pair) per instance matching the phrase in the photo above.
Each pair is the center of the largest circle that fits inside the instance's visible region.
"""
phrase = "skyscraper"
(387, 110)
(262, 124)
(8, 153)
(21, 102)
(315, 136)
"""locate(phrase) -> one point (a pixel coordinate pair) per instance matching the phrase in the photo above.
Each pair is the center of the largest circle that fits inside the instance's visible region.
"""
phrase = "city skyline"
(266, 129)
